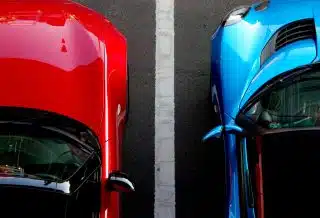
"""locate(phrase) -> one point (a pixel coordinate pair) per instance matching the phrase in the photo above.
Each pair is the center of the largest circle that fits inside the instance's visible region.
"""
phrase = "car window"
(292, 104)
(39, 156)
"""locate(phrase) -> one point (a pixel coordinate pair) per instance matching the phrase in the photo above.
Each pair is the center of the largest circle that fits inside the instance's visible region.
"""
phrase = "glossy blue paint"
(236, 50)
(214, 133)
(236, 71)
(292, 56)
(233, 128)
(217, 131)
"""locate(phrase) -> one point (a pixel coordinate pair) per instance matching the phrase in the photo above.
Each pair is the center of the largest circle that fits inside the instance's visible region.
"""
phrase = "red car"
(63, 109)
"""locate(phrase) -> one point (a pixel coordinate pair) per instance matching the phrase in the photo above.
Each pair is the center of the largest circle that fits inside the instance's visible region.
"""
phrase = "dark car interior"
(42, 155)
(290, 170)
(17, 202)
(290, 104)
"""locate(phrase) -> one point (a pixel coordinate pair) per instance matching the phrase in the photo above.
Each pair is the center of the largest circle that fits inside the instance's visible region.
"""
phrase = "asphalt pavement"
(199, 167)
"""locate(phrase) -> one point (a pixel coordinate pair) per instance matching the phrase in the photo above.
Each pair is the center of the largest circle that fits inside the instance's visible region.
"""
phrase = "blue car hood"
(236, 50)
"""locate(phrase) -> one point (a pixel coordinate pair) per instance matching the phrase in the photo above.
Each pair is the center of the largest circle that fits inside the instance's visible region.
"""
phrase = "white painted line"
(164, 205)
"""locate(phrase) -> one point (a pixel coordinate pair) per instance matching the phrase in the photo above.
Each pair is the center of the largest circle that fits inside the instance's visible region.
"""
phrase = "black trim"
(242, 179)
(273, 45)
(247, 199)
(252, 158)
(210, 88)
(43, 118)
(34, 129)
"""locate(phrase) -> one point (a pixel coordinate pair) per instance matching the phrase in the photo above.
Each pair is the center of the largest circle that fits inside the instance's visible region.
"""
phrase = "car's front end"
(243, 50)
(61, 58)
(261, 45)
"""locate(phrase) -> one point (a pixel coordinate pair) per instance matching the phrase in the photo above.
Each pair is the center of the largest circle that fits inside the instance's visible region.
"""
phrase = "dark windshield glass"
(39, 153)
(291, 104)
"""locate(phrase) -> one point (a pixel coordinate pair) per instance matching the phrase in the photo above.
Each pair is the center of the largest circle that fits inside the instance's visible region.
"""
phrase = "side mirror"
(119, 182)
(217, 131)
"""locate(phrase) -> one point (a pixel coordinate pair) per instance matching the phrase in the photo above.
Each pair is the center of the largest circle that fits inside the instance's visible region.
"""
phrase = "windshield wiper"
(48, 177)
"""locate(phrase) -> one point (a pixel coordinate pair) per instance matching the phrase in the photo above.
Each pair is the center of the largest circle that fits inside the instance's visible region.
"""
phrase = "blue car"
(265, 90)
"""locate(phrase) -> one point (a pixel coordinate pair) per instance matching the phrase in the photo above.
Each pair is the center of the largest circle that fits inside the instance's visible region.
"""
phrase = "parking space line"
(164, 205)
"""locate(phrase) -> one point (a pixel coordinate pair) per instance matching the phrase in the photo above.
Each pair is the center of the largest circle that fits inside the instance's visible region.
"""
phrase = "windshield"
(290, 104)
(39, 153)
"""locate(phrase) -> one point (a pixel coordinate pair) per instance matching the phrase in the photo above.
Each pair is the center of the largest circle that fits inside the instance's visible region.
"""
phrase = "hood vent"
(296, 31)
(292, 32)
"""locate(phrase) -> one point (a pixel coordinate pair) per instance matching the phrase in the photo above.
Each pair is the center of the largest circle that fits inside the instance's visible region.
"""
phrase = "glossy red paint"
(62, 57)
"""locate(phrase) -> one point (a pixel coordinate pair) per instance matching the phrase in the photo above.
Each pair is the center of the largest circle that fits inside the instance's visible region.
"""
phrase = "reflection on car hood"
(40, 184)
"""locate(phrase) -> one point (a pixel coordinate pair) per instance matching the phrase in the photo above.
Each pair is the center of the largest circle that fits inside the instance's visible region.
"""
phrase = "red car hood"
(52, 59)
